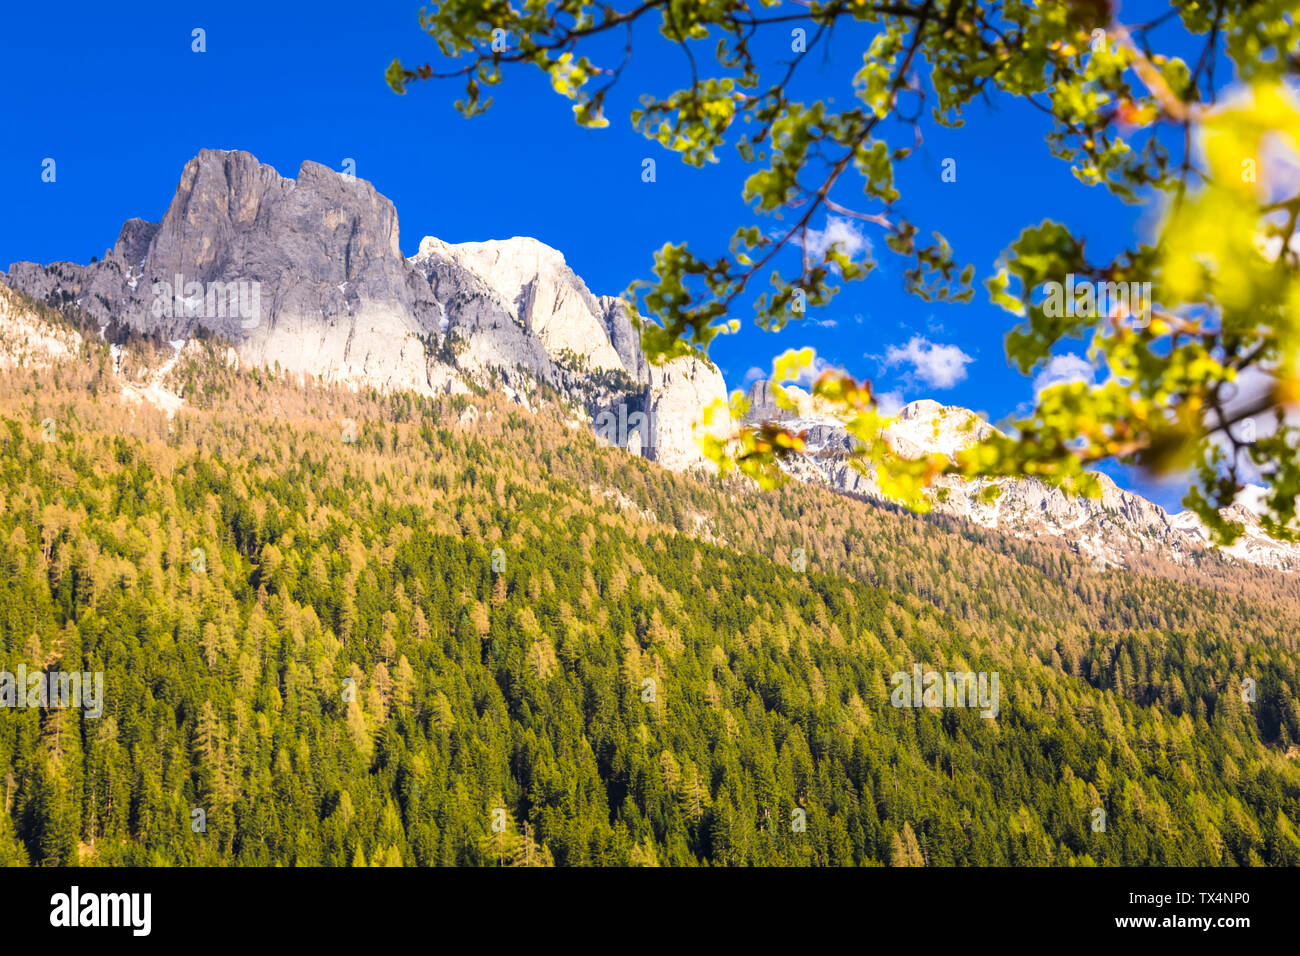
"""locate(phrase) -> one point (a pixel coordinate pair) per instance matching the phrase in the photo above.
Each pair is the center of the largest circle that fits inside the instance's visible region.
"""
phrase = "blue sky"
(115, 95)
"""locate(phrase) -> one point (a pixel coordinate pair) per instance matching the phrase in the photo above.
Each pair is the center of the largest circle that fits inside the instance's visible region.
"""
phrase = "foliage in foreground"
(1196, 348)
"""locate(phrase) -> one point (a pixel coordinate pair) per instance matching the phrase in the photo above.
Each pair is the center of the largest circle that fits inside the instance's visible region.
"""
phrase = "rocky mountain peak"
(927, 426)
(925, 409)
(763, 406)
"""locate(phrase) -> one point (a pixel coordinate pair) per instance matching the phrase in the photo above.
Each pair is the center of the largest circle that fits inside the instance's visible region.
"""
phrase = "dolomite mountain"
(307, 273)
(317, 262)
(1108, 529)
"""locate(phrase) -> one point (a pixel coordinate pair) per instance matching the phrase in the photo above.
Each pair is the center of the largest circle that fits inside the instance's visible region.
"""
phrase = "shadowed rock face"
(308, 273)
(233, 219)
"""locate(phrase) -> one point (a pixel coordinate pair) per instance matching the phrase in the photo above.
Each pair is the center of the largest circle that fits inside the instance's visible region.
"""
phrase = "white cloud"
(890, 403)
(754, 374)
(1252, 498)
(939, 366)
(1064, 368)
(842, 233)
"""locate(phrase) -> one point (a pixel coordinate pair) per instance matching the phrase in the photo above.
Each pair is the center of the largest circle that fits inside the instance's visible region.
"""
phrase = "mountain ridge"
(1106, 528)
(317, 261)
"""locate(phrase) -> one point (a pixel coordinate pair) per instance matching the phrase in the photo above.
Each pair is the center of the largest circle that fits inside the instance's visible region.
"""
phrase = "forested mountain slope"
(306, 632)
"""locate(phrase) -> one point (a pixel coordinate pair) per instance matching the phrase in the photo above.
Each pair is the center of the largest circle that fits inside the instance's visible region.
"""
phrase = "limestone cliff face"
(29, 341)
(679, 391)
(308, 273)
(542, 294)
(543, 318)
